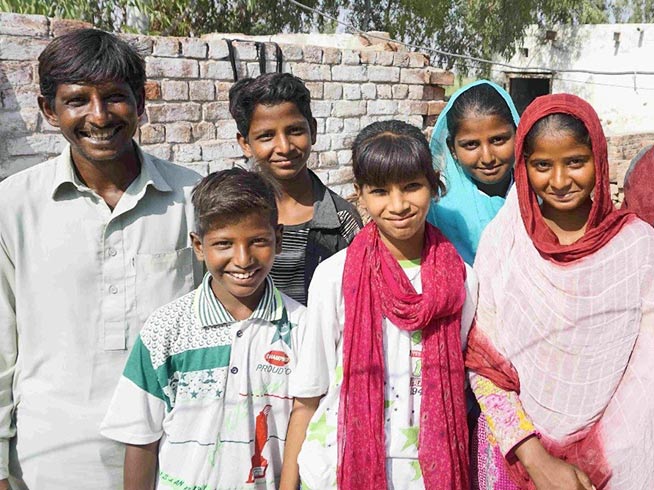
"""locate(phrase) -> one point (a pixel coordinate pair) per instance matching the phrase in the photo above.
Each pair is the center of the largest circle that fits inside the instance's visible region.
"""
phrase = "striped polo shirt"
(214, 390)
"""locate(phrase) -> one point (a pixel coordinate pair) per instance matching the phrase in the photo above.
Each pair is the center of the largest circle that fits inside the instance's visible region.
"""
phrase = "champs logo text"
(277, 358)
(277, 361)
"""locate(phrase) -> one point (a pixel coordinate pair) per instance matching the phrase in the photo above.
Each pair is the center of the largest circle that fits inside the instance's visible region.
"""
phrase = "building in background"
(577, 60)
(624, 102)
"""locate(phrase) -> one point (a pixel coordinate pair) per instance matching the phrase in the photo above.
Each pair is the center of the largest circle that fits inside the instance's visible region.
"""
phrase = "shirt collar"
(149, 175)
(325, 214)
(211, 311)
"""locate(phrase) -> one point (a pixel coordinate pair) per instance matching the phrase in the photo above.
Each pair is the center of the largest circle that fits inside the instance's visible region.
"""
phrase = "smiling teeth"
(242, 275)
(101, 135)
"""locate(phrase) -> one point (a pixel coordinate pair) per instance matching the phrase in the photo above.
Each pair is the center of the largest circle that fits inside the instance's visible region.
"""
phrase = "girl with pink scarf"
(561, 350)
(379, 383)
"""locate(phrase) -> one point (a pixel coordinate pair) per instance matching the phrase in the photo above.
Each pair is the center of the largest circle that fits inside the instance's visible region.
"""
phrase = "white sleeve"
(470, 305)
(138, 407)
(324, 325)
(8, 353)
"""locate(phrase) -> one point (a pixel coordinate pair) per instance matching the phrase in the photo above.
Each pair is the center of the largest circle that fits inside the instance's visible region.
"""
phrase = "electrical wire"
(467, 57)
(631, 87)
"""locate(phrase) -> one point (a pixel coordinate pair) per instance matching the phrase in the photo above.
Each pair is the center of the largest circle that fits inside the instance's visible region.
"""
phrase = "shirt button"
(112, 252)
(239, 333)
(234, 370)
(113, 289)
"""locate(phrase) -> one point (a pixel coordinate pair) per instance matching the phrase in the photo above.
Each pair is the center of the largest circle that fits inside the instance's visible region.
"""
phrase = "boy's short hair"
(224, 197)
(267, 89)
(89, 56)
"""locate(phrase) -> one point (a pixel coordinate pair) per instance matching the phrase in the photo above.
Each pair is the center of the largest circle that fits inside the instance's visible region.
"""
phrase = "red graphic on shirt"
(277, 358)
(259, 463)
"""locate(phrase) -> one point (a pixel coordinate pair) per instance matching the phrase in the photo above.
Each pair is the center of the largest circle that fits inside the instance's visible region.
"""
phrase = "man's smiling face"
(98, 120)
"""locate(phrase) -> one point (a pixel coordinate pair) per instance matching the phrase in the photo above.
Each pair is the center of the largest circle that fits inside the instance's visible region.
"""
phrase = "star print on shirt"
(415, 465)
(283, 332)
(319, 430)
(411, 434)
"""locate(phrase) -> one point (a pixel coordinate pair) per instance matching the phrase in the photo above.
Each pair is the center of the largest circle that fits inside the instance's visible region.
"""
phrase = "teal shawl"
(464, 211)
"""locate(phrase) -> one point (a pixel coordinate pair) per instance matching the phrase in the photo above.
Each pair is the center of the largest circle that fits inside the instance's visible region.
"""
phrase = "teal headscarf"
(464, 211)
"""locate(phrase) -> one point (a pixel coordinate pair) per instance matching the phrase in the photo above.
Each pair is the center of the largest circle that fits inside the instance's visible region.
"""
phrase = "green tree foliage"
(479, 28)
(103, 14)
(638, 11)
(184, 17)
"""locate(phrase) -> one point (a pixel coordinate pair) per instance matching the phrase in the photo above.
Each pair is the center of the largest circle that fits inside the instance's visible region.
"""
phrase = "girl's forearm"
(303, 410)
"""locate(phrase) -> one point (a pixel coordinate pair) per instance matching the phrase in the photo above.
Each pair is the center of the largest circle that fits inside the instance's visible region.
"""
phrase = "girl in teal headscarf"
(473, 140)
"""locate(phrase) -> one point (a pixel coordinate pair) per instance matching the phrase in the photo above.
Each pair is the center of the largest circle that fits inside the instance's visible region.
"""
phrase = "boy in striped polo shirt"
(204, 395)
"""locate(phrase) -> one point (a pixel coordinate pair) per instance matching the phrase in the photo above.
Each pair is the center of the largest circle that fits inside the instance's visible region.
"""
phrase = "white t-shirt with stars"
(319, 371)
(213, 389)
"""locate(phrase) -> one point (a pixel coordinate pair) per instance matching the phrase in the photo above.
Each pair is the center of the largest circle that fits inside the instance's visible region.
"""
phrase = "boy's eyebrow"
(298, 122)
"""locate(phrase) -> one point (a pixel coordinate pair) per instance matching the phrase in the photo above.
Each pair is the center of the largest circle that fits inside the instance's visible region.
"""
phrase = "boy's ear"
(245, 146)
(279, 230)
(197, 246)
(140, 101)
(314, 130)
(48, 111)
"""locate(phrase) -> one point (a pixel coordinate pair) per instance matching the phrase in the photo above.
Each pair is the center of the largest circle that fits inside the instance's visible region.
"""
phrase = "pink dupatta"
(561, 325)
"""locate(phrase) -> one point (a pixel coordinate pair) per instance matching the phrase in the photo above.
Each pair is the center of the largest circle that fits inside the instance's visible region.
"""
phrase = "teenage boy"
(276, 131)
(91, 242)
(206, 386)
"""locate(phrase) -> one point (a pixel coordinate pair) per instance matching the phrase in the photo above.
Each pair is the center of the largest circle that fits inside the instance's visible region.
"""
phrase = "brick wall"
(187, 118)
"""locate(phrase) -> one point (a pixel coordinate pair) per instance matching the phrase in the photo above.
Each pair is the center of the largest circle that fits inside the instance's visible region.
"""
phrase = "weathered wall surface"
(187, 118)
(621, 150)
(623, 102)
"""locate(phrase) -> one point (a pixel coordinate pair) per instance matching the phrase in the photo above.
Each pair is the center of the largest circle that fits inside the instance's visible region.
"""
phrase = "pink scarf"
(484, 359)
(375, 286)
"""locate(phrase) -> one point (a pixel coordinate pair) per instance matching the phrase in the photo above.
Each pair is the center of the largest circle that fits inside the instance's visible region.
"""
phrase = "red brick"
(152, 90)
(441, 77)
(435, 107)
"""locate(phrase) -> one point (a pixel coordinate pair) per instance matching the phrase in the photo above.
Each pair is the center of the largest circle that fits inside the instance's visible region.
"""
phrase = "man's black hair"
(89, 56)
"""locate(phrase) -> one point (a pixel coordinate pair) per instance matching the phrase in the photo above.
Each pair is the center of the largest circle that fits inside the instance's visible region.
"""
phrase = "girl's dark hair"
(393, 151)
(557, 123)
(267, 89)
(480, 100)
(89, 56)
(225, 197)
